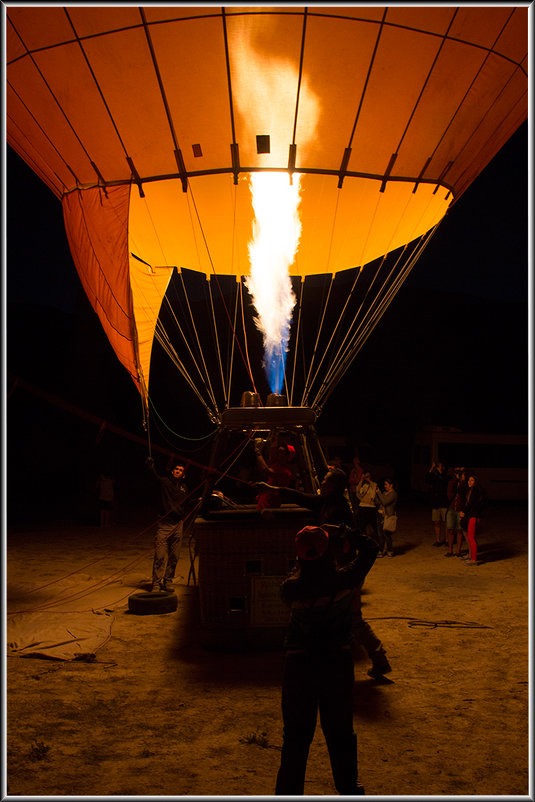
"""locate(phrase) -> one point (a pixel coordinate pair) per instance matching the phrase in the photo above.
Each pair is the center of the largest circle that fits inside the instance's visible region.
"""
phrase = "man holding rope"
(170, 526)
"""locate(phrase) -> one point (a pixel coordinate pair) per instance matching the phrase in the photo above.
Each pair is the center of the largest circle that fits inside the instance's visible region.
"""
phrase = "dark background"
(451, 350)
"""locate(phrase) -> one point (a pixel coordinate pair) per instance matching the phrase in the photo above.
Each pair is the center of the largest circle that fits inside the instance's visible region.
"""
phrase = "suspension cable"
(232, 343)
(248, 364)
(356, 323)
(371, 314)
(304, 397)
(366, 327)
(207, 373)
(298, 331)
(162, 337)
(218, 350)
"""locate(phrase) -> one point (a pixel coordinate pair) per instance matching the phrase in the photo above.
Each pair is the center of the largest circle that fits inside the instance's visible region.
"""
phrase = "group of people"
(359, 501)
(374, 509)
(333, 557)
(457, 505)
(354, 519)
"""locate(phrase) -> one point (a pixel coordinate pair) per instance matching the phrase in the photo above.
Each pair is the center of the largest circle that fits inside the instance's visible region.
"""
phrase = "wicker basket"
(243, 558)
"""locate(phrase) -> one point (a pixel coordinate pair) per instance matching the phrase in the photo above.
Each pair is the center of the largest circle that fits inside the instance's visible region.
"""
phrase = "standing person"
(456, 493)
(318, 668)
(387, 517)
(276, 470)
(470, 514)
(355, 475)
(329, 505)
(169, 530)
(437, 479)
(106, 497)
(366, 491)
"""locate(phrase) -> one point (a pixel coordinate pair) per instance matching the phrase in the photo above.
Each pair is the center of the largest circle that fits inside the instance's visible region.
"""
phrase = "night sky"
(452, 349)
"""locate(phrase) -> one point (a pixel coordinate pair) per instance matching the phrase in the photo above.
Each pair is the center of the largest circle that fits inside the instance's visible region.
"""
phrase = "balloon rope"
(309, 382)
(336, 328)
(298, 332)
(177, 434)
(245, 361)
(360, 335)
(367, 325)
(218, 349)
(306, 389)
(163, 338)
(363, 328)
(334, 361)
(232, 343)
(248, 364)
(208, 383)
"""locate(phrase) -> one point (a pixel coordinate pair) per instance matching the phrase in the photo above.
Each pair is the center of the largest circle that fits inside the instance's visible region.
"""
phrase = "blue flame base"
(275, 359)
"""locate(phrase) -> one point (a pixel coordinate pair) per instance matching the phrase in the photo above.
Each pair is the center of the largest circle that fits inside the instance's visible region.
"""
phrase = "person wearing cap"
(318, 668)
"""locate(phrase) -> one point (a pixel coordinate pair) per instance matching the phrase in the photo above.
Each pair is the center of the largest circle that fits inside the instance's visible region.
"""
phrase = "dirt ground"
(156, 714)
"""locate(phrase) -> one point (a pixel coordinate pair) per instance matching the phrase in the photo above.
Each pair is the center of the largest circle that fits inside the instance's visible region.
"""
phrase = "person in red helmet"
(277, 470)
(318, 668)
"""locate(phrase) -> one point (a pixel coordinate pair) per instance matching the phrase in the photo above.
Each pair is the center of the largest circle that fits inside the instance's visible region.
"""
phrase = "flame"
(276, 233)
(266, 93)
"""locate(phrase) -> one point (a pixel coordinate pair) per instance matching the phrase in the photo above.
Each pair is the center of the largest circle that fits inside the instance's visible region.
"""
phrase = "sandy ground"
(156, 714)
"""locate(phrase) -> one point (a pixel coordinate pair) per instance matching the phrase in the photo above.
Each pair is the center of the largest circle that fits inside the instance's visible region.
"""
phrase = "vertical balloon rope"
(232, 342)
(306, 389)
(206, 371)
(245, 361)
(364, 329)
(308, 383)
(297, 335)
(248, 364)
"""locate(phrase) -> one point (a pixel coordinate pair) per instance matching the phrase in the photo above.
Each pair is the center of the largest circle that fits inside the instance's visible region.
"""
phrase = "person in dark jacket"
(170, 526)
(456, 493)
(437, 479)
(330, 505)
(318, 670)
(470, 515)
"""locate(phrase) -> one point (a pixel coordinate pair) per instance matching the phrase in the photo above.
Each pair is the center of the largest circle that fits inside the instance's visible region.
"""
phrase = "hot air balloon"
(152, 125)
(245, 189)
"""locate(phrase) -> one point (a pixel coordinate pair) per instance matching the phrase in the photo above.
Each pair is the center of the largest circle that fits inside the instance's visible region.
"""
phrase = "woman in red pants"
(470, 514)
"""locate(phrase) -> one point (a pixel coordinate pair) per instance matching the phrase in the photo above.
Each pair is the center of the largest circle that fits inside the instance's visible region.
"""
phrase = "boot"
(380, 666)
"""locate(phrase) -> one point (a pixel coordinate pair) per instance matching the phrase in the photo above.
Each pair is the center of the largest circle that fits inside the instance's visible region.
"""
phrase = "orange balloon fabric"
(148, 123)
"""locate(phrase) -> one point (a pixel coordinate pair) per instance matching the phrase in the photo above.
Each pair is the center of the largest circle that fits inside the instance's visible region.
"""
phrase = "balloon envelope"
(148, 124)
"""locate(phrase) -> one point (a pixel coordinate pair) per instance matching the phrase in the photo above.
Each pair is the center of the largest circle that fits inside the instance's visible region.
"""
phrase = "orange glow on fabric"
(381, 116)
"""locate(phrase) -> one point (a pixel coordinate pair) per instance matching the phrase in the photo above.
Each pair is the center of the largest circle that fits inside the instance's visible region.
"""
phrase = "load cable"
(364, 328)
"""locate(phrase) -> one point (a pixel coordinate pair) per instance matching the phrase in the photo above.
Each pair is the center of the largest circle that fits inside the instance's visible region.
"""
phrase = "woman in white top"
(366, 491)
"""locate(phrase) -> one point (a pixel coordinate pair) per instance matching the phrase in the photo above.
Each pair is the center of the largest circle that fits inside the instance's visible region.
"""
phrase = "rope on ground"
(419, 622)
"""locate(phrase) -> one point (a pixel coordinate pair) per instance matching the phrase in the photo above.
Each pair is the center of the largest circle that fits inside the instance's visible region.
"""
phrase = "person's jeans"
(312, 682)
(167, 544)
